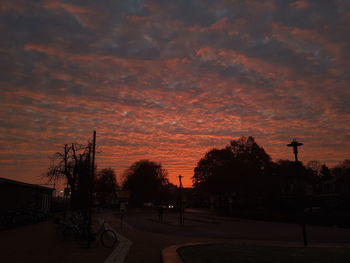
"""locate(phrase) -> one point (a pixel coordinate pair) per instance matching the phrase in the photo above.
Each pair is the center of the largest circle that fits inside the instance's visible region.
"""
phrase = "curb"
(170, 255)
(119, 254)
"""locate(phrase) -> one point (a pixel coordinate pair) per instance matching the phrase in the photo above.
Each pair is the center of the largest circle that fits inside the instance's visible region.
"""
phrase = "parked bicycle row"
(76, 227)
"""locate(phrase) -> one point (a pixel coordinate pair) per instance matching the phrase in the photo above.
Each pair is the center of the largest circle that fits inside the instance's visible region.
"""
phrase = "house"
(15, 195)
(334, 192)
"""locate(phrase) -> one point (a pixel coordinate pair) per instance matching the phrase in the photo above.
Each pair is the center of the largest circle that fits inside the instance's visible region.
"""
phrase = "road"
(149, 236)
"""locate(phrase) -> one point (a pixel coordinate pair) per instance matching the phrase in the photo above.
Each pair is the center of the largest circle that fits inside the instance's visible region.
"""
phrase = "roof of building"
(9, 181)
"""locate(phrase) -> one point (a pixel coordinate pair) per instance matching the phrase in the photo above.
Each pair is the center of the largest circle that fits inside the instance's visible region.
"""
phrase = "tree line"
(146, 181)
(243, 174)
(240, 174)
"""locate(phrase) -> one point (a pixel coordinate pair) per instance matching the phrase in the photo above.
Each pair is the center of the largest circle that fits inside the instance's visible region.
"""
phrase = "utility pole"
(181, 203)
(91, 181)
(295, 144)
(93, 164)
(66, 174)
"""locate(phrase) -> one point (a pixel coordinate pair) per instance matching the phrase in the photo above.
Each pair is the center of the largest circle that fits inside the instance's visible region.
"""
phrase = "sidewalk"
(38, 243)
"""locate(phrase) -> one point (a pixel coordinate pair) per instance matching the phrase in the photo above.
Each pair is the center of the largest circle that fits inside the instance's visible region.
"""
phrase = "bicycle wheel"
(108, 238)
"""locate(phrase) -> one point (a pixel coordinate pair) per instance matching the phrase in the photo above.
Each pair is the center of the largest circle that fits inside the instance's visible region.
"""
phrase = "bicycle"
(66, 230)
(107, 237)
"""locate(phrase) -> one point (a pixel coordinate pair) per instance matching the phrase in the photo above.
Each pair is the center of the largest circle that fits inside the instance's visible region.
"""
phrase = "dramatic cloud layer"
(169, 80)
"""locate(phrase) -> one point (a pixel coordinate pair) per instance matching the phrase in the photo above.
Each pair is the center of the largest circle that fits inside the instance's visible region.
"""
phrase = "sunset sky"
(168, 80)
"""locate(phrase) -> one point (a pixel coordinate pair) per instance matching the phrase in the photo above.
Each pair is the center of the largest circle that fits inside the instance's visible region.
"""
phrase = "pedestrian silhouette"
(160, 213)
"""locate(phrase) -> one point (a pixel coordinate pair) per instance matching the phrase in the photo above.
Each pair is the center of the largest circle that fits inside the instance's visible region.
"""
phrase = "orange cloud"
(301, 4)
(74, 9)
(169, 82)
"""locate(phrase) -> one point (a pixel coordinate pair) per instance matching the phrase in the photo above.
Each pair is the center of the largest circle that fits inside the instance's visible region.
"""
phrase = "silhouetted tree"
(146, 180)
(342, 172)
(232, 171)
(342, 169)
(325, 172)
(249, 152)
(315, 167)
(105, 185)
(252, 163)
(292, 177)
(73, 165)
(171, 193)
(213, 172)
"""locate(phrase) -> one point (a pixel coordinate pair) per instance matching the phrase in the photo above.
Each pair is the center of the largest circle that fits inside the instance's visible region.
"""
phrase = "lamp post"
(295, 144)
(181, 204)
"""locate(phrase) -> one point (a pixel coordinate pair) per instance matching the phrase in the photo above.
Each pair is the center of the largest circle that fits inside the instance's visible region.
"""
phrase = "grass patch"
(228, 253)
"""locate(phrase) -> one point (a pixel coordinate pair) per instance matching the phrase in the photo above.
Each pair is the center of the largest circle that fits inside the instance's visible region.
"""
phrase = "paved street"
(149, 236)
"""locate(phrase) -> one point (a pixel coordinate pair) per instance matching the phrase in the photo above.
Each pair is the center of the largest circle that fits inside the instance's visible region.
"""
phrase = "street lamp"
(295, 144)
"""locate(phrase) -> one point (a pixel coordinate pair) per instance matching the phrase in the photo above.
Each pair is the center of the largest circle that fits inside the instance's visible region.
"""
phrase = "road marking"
(119, 254)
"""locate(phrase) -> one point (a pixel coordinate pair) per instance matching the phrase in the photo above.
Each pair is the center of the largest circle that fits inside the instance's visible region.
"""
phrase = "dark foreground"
(226, 253)
(39, 243)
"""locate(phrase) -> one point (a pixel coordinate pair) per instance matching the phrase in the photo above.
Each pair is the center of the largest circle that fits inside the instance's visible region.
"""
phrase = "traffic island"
(171, 255)
(228, 253)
